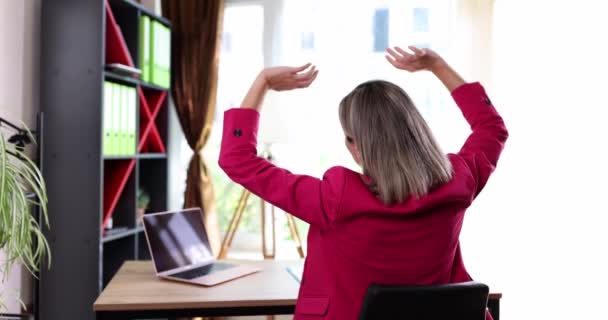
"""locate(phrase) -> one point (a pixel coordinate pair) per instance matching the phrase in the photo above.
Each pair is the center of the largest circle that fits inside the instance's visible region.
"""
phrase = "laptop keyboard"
(202, 271)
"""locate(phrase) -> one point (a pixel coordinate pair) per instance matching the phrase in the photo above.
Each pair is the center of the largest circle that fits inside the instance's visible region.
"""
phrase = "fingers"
(314, 76)
(284, 78)
(307, 82)
(405, 54)
(392, 60)
(393, 54)
(397, 64)
(306, 75)
(301, 68)
(296, 81)
(400, 56)
(401, 60)
(417, 52)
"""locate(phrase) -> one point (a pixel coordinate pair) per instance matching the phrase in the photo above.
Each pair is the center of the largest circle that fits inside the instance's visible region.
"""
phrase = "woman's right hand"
(421, 59)
(289, 78)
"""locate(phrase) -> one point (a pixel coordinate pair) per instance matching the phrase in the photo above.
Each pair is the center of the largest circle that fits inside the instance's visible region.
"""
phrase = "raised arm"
(425, 59)
(310, 199)
(278, 79)
(484, 145)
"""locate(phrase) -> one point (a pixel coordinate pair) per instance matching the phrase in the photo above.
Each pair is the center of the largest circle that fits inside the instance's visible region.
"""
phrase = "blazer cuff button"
(487, 101)
(238, 132)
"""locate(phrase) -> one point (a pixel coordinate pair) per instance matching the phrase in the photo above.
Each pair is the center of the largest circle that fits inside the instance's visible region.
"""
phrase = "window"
(241, 58)
(303, 126)
(380, 30)
(421, 19)
(308, 40)
(226, 42)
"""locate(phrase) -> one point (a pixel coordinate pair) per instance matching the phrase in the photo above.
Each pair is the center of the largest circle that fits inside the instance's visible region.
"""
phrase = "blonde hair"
(398, 151)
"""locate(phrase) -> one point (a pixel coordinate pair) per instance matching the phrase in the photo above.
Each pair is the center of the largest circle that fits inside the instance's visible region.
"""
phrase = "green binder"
(166, 58)
(154, 53)
(144, 47)
(107, 117)
(114, 147)
(132, 148)
(119, 148)
(124, 121)
(161, 54)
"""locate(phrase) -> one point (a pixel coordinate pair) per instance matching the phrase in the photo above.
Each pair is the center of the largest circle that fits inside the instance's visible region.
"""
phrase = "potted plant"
(143, 201)
(21, 188)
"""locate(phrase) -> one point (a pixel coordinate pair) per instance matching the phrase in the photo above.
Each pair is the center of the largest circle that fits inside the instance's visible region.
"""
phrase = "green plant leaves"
(21, 236)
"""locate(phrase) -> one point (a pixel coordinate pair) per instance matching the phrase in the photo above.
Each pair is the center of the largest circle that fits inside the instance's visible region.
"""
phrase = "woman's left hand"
(289, 78)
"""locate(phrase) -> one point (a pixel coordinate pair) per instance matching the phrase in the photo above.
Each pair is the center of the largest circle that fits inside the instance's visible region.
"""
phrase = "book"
(132, 124)
(111, 230)
(124, 120)
(122, 69)
(296, 272)
(166, 57)
(161, 54)
(114, 146)
(153, 44)
(144, 47)
(107, 117)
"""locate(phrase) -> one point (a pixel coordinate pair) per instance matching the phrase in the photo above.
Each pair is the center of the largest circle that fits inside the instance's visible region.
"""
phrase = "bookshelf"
(86, 186)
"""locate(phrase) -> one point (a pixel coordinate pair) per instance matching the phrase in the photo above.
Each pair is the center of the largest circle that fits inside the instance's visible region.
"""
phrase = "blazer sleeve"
(484, 145)
(313, 200)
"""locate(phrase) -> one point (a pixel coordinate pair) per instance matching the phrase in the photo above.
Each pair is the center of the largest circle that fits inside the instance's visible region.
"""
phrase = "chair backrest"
(462, 301)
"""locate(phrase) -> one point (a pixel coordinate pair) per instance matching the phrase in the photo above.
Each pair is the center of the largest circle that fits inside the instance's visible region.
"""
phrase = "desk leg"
(494, 306)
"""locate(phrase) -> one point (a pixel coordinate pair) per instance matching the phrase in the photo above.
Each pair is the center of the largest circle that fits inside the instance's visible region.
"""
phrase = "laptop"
(180, 249)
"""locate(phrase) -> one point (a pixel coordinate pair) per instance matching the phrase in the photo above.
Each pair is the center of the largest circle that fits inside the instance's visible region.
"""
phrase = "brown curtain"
(195, 39)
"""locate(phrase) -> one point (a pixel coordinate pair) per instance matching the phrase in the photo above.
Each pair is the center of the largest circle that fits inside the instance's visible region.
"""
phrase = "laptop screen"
(177, 239)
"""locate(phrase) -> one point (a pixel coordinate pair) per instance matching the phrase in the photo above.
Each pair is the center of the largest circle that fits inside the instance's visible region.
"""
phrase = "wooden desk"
(136, 292)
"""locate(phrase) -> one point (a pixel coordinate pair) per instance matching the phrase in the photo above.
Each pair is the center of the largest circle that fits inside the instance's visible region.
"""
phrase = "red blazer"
(354, 239)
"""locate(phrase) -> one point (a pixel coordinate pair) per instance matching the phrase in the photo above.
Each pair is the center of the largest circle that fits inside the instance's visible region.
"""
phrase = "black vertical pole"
(37, 213)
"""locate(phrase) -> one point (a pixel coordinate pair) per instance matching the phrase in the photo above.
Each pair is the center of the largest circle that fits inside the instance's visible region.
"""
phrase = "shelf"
(147, 85)
(150, 103)
(109, 75)
(156, 155)
(125, 157)
(147, 11)
(116, 176)
(116, 46)
(152, 156)
(102, 186)
(123, 234)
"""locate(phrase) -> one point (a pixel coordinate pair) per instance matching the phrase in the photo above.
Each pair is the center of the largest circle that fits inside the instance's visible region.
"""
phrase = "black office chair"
(458, 301)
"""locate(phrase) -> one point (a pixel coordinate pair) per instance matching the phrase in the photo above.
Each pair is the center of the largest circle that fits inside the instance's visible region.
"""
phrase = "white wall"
(19, 60)
(543, 215)
(19, 96)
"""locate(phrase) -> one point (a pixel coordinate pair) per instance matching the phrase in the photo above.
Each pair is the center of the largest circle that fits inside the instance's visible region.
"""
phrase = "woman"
(399, 221)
